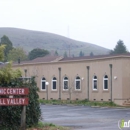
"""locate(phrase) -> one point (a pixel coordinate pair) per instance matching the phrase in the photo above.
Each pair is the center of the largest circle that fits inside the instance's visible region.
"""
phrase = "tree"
(81, 54)
(56, 53)
(37, 52)
(11, 115)
(65, 54)
(6, 72)
(2, 47)
(9, 46)
(119, 48)
(17, 53)
(91, 54)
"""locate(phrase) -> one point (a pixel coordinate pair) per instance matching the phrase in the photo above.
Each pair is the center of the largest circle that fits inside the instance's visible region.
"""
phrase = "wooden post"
(23, 118)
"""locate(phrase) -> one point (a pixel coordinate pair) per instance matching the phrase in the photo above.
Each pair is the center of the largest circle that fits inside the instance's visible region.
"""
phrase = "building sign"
(14, 91)
(13, 101)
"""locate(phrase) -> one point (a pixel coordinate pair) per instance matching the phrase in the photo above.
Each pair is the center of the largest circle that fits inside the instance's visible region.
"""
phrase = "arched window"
(95, 83)
(105, 82)
(78, 83)
(65, 83)
(54, 80)
(43, 84)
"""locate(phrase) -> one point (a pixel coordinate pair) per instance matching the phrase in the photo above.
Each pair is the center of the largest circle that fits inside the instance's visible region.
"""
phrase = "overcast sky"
(101, 22)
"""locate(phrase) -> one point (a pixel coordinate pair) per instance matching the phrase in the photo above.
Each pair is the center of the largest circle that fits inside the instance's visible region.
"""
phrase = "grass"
(78, 102)
(47, 126)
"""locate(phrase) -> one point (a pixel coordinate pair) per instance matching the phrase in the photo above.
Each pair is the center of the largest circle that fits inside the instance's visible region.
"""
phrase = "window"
(105, 82)
(65, 83)
(95, 83)
(54, 80)
(43, 84)
(77, 83)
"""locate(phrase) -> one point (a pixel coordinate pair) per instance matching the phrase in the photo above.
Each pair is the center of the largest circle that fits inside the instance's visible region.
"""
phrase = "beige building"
(96, 78)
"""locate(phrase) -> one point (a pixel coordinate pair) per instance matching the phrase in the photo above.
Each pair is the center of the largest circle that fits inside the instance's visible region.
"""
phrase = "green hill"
(35, 39)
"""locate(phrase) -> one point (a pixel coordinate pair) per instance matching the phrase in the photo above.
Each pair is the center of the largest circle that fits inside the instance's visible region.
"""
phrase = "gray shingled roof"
(49, 58)
(92, 57)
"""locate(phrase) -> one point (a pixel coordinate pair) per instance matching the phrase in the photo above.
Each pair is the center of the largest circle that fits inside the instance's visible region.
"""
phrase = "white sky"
(101, 22)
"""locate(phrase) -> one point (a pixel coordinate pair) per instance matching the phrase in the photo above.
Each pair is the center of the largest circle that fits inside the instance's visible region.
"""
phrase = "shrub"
(10, 116)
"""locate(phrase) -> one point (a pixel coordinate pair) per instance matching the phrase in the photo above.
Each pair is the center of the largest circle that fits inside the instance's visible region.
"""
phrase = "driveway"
(84, 117)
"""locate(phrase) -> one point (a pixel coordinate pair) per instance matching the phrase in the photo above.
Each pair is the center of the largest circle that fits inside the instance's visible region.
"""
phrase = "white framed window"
(43, 84)
(54, 83)
(105, 82)
(94, 82)
(65, 83)
(77, 83)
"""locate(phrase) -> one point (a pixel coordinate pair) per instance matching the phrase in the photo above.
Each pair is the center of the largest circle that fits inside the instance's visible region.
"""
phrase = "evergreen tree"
(81, 54)
(91, 54)
(119, 48)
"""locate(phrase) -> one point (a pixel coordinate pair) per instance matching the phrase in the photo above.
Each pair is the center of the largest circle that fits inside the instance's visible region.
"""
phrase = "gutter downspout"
(111, 80)
(88, 82)
(59, 83)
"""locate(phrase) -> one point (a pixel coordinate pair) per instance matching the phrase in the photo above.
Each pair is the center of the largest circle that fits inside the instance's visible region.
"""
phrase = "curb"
(85, 106)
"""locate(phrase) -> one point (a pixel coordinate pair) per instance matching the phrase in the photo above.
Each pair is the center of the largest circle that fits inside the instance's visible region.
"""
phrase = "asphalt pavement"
(85, 117)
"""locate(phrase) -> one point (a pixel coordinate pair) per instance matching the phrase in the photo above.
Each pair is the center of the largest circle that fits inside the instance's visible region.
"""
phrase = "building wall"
(126, 78)
(99, 67)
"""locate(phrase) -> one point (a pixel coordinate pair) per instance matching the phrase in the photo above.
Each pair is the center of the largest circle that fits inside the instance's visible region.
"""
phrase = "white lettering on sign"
(13, 101)
(2, 102)
(14, 91)
(18, 101)
(2, 91)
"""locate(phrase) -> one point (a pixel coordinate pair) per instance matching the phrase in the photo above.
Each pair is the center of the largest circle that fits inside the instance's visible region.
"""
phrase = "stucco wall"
(126, 78)
(99, 67)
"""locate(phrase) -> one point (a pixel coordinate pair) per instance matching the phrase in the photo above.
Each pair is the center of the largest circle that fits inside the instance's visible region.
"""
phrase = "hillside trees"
(37, 52)
(56, 53)
(91, 54)
(81, 54)
(119, 48)
(9, 46)
(65, 54)
(17, 53)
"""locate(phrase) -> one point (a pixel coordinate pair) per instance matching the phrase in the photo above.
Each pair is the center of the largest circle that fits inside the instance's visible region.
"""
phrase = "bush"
(10, 116)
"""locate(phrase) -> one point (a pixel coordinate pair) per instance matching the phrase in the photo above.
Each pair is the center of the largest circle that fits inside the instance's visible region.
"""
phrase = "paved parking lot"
(84, 117)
